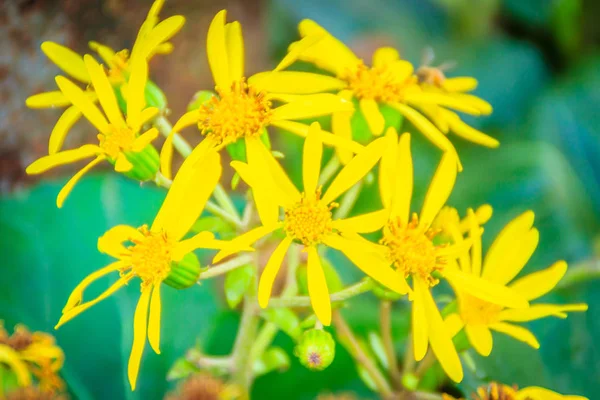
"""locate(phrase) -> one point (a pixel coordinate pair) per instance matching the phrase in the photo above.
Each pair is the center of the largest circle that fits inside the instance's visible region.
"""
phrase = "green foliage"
(237, 283)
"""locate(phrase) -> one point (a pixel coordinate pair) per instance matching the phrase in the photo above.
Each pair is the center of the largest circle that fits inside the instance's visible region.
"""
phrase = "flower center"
(151, 256)
(495, 391)
(474, 311)
(116, 140)
(309, 220)
(411, 249)
(120, 61)
(379, 83)
(235, 114)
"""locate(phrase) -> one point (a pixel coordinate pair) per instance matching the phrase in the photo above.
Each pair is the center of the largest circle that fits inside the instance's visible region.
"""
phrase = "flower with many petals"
(498, 391)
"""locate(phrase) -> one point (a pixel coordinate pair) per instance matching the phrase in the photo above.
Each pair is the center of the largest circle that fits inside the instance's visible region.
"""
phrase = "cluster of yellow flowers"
(416, 250)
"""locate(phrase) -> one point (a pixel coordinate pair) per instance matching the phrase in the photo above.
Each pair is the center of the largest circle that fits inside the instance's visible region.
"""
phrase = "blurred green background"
(537, 63)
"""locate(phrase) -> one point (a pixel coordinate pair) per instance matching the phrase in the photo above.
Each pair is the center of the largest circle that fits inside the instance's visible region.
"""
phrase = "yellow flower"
(28, 354)
(243, 109)
(409, 244)
(498, 391)
(307, 217)
(118, 138)
(152, 38)
(152, 252)
(389, 80)
(504, 261)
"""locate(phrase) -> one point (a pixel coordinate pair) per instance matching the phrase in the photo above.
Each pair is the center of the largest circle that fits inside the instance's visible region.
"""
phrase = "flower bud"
(145, 164)
(315, 349)
(184, 273)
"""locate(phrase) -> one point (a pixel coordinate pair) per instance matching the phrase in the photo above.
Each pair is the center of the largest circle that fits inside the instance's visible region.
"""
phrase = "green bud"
(315, 349)
(384, 293)
(145, 164)
(184, 273)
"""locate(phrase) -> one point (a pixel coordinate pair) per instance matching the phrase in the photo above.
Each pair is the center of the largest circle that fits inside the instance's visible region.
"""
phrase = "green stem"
(304, 301)
(409, 356)
(225, 267)
(202, 361)
(329, 169)
(427, 396)
(226, 203)
(385, 311)
(424, 365)
(343, 330)
(242, 348)
(164, 127)
(581, 272)
(348, 201)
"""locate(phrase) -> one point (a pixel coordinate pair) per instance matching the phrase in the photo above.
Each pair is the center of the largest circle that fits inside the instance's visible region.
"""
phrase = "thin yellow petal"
(154, 320)
(387, 168)
(327, 138)
(401, 70)
(235, 50)
(295, 82)
(475, 235)
(61, 129)
(217, 51)
(402, 176)
(47, 100)
(539, 283)
(311, 106)
(243, 242)
(459, 84)
(202, 240)
(105, 91)
(436, 115)
(122, 164)
(481, 338)
(538, 393)
(159, 34)
(355, 170)
(478, 103)
(166, 153)
(144, 139)
(85, 105)
(270, 272)
(67, 60)
(311, 159)
(106, 53)
(140, 319)
(64, 192)
(538, 311)
(341, 126)
(516, 332)
(384, 56)
(10, 357)
(136, 98)
(317, 287)
(439, 190)
(441, 99)
(296, 50)
(148, 114)
(454, 324)
(111, 242)
(64, 157)
(514, 259)
(467, 132)
(420, 334)
(373, 116)
(365, 223)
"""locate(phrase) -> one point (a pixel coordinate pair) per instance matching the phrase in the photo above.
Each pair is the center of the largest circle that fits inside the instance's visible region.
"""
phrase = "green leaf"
(378, 348)
(155, 97)
(366, 377)
(181, 369)
(273, 359)
(201, 97)
(237, 283)
(285, 319)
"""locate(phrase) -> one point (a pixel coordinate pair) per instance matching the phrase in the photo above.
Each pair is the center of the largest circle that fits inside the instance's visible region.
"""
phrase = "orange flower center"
(379, 83)
(309, 220)
(120, 63)
(151, 256)
(116, 141)
(495, 391)
(234, 114)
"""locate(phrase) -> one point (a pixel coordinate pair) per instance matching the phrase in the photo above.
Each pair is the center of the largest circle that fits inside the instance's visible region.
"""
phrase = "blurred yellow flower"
(243, 109)
(118, 138)
(152, 38)
(498, 391)
(28, 354)
(153, 251)
(308, 219)
(505, 259)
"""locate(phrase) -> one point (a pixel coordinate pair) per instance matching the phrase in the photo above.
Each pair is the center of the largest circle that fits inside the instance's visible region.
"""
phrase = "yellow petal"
(441, 99)
(327, 138)
(311, 106)
(105, 91)
(162, 32)
(341, 126)
(106, 53)
(373, 116)
(242, 242)
(471, 134)
(454, 324)
(387, 168)
(139, 336)
(362, 254)
(483, 107)
(439, 190)
(538, 311)
(516, 332)
(355, 170)
(539, 283)
(420, 334)
(148, 114)
(311, 159)
(10, 357)
(217, 51)
(154, 320)
(402, 179)
(317, 287)
(144, 139)
(76, 296)
(64, 192)
(437, 116)
(295, 82)
(64, 157)
(401, 70)
(481, 338)
(188, 194)
(235, 50)
(270, 272)
(514, 259)
(136, 98)
(538, 393)
(475, 235)
(202, 240)
(47, 100)
(365, 223)
(62, 127)
(484, 289)
(75, 311)
(296, 50)
(440, 340)
(122, 164)
(81, 101)
(459, 84)
(166, 153)
(111, 242)
(384, 56)
(67, 60)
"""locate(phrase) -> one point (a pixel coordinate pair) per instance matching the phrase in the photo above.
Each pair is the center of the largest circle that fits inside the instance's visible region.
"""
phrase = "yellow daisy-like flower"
(307, 218)
(152, 39)
(498, 391)
(505, 259)
(152, 252)
(409, 244)
(243, 109)
(28, 354)
(119, 140)
(389, 80)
